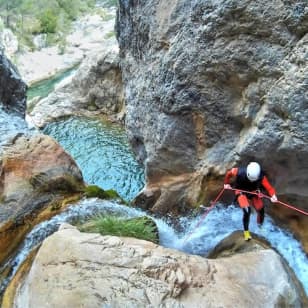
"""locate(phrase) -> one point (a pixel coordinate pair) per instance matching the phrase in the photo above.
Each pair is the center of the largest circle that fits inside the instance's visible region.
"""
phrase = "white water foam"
(219, 223)
(222, 221)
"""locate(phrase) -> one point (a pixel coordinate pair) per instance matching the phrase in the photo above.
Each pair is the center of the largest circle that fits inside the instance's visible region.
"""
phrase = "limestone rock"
(96, 88)
(34, 170)
(88, 33)
(9, 42)
(94, 271)
(214, 84)
(12, 88)
(36, 163)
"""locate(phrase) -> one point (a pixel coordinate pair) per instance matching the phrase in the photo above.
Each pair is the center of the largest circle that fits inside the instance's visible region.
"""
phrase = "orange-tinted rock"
(34, 171)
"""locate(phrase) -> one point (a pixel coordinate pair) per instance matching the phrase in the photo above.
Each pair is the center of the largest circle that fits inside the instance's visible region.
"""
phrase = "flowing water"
(44, 87)
(103, 154)
(192, 240)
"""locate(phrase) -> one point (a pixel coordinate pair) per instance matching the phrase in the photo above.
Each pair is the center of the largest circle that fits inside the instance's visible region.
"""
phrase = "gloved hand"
(274, 198)
(227, 186)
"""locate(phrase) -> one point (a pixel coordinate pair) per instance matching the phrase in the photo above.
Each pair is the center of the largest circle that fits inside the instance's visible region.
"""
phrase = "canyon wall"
(214, 84)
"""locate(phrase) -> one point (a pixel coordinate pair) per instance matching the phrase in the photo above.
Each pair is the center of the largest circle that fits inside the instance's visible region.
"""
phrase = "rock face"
(96, 88)
(12, 88)
(94, 271)
(34, 169)
(214, 84)
(9, 41)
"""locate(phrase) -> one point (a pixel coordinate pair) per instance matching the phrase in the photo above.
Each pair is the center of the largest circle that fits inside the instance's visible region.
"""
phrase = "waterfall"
(220, 222)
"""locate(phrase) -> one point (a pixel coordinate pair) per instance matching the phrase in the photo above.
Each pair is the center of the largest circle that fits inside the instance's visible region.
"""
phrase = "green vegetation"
(141, 227)
(53, 17)
(48, 21)
(93, 191)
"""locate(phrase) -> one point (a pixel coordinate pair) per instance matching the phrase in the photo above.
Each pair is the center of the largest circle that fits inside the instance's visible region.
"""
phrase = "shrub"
(141, 227)
(48, 21)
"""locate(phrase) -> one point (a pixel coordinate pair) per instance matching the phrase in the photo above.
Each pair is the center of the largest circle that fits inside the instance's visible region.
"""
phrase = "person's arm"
(269, 188)
(229, 175)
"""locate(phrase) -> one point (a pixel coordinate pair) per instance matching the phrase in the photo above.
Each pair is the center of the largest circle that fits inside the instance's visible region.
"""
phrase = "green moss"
(92, 106)
(58, 204)
(2, 198)
(94, 191)
(141, 227)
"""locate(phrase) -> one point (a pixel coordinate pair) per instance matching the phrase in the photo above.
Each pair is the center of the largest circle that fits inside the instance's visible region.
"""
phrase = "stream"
(44, 87)
(191, 240)
(102, 152)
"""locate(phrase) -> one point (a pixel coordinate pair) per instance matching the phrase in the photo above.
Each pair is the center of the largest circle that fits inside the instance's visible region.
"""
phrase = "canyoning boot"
(247, 235)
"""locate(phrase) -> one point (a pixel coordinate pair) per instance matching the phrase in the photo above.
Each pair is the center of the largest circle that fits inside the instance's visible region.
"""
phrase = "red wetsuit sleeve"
(230, 174)
(269, 188)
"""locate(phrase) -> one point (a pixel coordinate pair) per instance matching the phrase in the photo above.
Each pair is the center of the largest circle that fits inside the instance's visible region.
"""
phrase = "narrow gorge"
(185, 91)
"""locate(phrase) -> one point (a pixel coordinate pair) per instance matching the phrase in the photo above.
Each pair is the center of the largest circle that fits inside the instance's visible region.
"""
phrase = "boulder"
(9, 41)
(93, 271)
(34, 171)
(95, 89)
(12, 88)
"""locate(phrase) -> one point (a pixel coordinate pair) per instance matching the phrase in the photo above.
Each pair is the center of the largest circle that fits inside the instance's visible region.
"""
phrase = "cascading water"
(220, 222)
(103, 155)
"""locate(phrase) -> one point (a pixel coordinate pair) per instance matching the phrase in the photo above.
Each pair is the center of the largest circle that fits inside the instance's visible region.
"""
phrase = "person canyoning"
(249, 179)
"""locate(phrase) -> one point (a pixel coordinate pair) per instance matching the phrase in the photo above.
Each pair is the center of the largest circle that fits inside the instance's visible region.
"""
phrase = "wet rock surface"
(137, 273)
(214, 84)
(12, 88)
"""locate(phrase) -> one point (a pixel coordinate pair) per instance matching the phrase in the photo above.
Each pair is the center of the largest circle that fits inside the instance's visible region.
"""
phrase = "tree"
(48, 22)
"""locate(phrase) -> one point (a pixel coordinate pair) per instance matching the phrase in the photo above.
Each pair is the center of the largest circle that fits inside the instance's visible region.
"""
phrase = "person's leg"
(246, 217)
(258, 205)
(244, 204)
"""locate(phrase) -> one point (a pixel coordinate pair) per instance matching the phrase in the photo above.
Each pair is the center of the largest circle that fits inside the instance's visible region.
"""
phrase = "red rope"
(261, 195)
(213, 203)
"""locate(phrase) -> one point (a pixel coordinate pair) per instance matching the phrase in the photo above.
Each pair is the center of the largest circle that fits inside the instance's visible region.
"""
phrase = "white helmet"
(253, 171)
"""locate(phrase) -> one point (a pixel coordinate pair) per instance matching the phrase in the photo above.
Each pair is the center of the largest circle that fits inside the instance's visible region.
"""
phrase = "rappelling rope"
(213, 203)
(259, 194)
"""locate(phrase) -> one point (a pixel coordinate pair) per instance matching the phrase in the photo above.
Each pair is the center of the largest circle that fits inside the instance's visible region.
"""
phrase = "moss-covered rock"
(94, 191)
